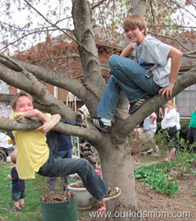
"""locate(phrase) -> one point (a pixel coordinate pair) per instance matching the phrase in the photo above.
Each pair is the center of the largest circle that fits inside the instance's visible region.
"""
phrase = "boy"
(154, 72)
(34, 155)
(18, 186)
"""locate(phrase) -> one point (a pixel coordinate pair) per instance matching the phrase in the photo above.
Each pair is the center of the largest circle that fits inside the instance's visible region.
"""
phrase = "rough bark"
(116, 160)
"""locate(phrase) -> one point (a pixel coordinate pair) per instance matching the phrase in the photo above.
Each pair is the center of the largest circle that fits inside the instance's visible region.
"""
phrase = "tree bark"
(113, 149)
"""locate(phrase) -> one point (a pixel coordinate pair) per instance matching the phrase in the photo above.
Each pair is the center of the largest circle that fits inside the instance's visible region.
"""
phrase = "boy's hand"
(167, 91)
(18, 117)
(9, 176)
(48, 125)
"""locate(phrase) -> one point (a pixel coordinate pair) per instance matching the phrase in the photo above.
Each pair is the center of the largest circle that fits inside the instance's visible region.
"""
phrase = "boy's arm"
(176, 57)
(154, 117)
(48, 125)
(33, 113)
(127, 51)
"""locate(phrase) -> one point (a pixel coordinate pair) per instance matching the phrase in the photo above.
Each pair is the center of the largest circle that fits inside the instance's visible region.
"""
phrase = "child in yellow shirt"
(36, 154)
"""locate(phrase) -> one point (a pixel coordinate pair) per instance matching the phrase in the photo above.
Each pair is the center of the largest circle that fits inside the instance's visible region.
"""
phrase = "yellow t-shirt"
(32, 152)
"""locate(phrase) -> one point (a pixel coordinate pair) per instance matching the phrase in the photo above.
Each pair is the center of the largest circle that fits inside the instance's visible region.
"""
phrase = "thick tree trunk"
(117, 170)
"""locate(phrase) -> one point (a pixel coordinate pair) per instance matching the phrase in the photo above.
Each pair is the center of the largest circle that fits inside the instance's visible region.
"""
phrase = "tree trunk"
(117, 170)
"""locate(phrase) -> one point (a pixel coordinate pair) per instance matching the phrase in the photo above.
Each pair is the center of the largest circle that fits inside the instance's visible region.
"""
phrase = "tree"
(113, 148)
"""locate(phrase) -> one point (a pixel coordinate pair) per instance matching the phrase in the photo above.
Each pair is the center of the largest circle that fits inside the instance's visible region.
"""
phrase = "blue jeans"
(57, 167)
(65, 154)
(129, 77)
(62, 154)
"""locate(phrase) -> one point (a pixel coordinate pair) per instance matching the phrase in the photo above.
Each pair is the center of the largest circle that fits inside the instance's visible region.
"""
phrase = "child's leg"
(133, 78)
(62, 167)
(109, 99)
(168, 156)
(15, 198)
(16, 204)
(51, 183)
(22, 203)
(22, 197)
(53, 140)
(172, 153)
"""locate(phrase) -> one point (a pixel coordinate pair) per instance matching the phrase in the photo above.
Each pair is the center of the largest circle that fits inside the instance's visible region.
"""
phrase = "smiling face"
(23, 104)
(135, 35)
(135, 28)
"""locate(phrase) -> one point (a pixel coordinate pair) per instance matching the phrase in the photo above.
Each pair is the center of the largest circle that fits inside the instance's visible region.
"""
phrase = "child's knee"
(84, 162)
(112, 60)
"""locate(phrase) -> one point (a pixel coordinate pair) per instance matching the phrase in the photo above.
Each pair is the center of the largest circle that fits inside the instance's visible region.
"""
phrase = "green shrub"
(156, 179)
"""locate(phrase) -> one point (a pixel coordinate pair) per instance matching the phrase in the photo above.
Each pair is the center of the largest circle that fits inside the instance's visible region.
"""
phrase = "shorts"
(17, 196)
(149, 134)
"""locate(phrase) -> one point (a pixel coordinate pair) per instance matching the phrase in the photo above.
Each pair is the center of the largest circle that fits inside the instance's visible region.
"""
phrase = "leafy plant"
(156, 178)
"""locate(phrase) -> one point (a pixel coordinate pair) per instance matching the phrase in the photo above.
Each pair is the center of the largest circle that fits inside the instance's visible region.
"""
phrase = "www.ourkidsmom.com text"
(140, 214)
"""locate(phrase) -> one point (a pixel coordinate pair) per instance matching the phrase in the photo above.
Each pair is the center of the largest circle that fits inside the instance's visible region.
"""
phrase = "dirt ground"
(181, 207)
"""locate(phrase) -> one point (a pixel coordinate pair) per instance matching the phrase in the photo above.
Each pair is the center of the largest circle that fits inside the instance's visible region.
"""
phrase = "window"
(186, 101)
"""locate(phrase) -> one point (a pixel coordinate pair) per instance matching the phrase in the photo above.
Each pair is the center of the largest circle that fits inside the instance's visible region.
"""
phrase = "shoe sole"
(98, 127)
(112, 197)
(131, 112)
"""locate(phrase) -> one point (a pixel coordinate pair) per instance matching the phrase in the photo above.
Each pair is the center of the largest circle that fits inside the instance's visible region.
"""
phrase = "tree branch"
(124, 127)
(54, 25)
(32, 124)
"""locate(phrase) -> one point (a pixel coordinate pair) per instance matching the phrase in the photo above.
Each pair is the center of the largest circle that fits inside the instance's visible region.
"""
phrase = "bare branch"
(54, 25)
(32, 124)
(168, 37)
(98, 4)
(180, 6)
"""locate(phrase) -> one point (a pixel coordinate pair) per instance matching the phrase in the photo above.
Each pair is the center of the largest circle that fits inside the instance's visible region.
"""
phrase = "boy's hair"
(171, 103)
(133, 22)
(16, 96)
(13, 158)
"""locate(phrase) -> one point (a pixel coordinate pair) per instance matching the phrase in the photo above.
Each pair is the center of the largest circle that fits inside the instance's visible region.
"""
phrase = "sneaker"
(98, 123)
(136, 105)
(151, 150)
(14, 209)
(112, 194)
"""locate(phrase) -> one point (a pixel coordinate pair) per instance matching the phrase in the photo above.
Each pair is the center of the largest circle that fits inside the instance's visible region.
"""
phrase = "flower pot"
(84, 198)
(60, 211)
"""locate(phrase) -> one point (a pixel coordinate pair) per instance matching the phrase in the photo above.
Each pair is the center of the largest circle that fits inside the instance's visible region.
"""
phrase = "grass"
(32, 210)
(34, 190)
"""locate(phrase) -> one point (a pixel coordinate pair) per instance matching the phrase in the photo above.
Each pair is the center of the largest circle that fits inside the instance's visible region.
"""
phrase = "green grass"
(34, 190)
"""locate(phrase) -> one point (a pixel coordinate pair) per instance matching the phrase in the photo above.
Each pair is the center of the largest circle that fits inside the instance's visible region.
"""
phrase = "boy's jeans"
(57, 167)
(129, 77)
(52, 180)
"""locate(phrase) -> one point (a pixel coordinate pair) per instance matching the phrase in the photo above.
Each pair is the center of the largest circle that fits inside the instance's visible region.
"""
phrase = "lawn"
(184, 164)
(34, 190)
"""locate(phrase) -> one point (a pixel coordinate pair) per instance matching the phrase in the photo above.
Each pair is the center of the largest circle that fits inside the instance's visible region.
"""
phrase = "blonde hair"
(133, 22)
(175, 106)
(13, 157)
(171, 104)
(17, 96)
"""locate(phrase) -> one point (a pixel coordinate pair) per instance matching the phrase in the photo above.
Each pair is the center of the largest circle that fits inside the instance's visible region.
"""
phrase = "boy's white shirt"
(153, 51)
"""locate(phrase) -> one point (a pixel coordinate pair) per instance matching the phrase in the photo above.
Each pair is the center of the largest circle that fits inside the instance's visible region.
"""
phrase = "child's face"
(23, 104)
(135, 35)
(168, 106)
